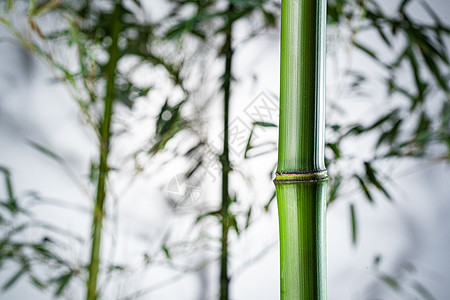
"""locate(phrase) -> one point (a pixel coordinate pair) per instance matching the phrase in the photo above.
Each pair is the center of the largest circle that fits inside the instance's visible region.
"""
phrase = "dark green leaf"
(372, 177)
(353, 223)
(364, 188)
(265, 124)
(424, 292)
(390, 281)
(335, 183)
(166, 251)
(14, 278)
(266, 207)
(249, 214)
(366, 50)
(62, 282)
(216, 213)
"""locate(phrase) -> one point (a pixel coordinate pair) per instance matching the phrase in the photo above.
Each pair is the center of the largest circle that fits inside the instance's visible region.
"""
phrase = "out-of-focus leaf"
(266, 207)
(364, 188)
(166, 251)
(383, 119)
(389, 136)
(353, 223)
(45, 151)
(233, 223)
(62, 282)
(424, 292)
(335, 183)
(265, 124)
(366, 50)
(249, 215)
(216, 213)
(14, 278)
(37, 282)
(372, 177)
(11, 205)
(335, 148)
(390, 281)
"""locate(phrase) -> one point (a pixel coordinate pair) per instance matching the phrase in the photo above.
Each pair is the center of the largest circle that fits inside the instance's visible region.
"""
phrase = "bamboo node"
(293, 177)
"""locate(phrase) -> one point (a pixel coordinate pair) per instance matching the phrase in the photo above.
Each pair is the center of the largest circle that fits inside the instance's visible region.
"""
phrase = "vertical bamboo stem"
(225, 158)
(301, 179)
(105, 134)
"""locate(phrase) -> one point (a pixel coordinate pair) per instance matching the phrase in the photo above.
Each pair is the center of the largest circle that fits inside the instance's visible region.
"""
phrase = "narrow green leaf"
(390, 281)
(249, 214)
(166, 251)
(364, 188)
(424, 292)
(233, 223)
(371, 175)
(366, 50)
(45, 151)
(37, 282)
(216, 213)
(266, 207)
(14, 278)
(265, 124)
(335, 183)
(249, 146)
(353, 223)
(62, 282)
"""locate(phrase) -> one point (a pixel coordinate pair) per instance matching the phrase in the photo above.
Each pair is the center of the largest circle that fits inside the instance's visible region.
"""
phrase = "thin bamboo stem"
(301, 180)
(105, 135)
(225, 160)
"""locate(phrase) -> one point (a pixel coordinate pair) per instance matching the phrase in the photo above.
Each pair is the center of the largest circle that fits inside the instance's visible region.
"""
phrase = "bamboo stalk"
(225, 159)
(105, 135)
(301, 179)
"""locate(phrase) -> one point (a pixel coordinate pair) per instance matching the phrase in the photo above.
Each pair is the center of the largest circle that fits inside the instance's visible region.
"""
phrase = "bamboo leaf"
(390, 281)
(372, 177)
(266, 207)
(249, 214)
(216, 213)
(233, 223)
(62, 282)
(45, 151)
(366, 50)
(37, 282)
(11, 281)
(265, 124)
(353, 223)
(389, 136)
(364, 188)
(166, 252)
(424, 292)
(334, 188)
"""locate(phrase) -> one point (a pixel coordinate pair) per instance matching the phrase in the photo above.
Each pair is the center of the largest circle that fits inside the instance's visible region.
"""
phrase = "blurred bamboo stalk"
(225, 157)
(104, 147)
(301, 179)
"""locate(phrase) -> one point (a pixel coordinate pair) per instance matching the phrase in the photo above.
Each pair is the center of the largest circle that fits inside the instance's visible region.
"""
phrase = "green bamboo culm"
(301, 179)
(104, 145)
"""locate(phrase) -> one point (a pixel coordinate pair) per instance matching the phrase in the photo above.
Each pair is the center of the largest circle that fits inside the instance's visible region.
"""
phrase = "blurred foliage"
(412, 57)
(31, 246)
(414, 121)
(100, 49)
